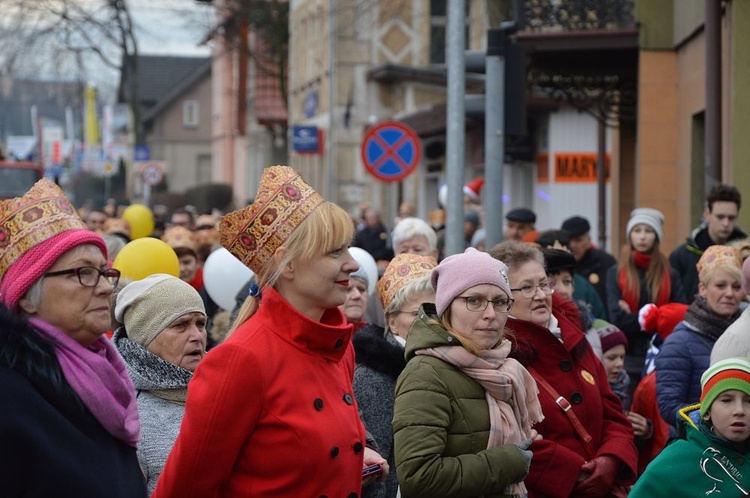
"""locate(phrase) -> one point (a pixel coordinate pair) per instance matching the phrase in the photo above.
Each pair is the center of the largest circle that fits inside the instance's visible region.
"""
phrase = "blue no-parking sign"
(391, 151)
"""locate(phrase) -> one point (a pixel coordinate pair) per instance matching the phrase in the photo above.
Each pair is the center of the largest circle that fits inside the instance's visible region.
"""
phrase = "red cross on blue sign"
(391, 151)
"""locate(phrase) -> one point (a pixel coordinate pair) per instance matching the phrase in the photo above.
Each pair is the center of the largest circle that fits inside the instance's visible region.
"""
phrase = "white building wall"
(571, 131)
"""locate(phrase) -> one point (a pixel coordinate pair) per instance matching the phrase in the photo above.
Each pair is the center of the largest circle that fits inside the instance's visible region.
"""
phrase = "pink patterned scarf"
(511, 392)
(99, 377)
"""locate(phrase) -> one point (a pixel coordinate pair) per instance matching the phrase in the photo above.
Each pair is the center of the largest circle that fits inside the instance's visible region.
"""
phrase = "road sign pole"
(454, 240)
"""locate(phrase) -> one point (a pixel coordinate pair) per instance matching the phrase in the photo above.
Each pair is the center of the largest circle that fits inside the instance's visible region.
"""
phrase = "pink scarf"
(99, 377)
(511, 392)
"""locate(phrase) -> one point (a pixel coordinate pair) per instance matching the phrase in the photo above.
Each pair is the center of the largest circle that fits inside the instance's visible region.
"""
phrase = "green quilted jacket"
(441, 426)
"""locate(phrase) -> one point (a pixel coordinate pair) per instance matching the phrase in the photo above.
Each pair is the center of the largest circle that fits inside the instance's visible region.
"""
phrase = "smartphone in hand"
(372, 470)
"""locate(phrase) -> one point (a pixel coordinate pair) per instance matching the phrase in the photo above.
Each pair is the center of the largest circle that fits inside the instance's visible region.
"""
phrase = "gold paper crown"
(40, 214)
(283, 201)
(179, 236)
(717, 255)
(400, 271)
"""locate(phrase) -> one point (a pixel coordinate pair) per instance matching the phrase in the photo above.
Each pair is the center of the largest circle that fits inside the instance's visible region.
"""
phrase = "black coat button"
(334, 452)
(358, 447)
(348, 399)
(318, 403)
(323, 496)
(566, 365)
(353, 495)
(576, 398)
(339, 344)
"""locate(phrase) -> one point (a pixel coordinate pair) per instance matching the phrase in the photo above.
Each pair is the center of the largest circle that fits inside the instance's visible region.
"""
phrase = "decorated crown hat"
(283, 201)
(400, 271)
(718, 255)
(179, 236)
(35, 230)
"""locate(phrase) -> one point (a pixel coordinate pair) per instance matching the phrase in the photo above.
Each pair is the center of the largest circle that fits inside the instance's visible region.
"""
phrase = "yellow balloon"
(146, 256)
(141, 220)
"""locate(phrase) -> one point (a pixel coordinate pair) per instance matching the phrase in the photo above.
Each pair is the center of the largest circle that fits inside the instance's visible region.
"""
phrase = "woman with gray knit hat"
(464, 411)
(643, 276)
(162, 338)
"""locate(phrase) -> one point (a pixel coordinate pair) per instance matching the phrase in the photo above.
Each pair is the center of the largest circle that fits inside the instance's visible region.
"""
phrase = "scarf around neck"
(703, 318)
(152, 373)
(631, 296)
(620, 386)
(98, 376)
(510, 390)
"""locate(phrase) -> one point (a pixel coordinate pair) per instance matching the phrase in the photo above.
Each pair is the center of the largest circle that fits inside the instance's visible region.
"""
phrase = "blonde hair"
(326, 228)
(708, 274)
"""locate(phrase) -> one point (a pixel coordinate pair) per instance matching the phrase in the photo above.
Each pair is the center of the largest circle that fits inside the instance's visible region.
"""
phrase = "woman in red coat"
(270, 411)
(599, 456)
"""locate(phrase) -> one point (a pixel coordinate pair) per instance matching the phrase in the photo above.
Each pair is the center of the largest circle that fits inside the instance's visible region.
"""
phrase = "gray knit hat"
(146, 307)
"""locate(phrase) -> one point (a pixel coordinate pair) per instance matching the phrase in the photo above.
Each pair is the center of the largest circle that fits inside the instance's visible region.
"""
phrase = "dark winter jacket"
(685, 257)
(51, 444)
(593, 267)
(376, 241)
(587, 293)
(379, 361)
(682, 359)
(441, 425)
(638, 341)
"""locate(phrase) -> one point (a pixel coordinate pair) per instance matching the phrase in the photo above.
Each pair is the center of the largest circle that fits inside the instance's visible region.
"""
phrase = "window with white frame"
(190, 114)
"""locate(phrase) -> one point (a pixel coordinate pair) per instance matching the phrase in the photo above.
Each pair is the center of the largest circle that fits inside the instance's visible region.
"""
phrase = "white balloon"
(224, 276)
(366, 261)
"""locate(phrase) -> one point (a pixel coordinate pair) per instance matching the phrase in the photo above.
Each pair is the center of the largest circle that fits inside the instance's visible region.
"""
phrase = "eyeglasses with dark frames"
(547, 287)
(88, 276)
(477, 304)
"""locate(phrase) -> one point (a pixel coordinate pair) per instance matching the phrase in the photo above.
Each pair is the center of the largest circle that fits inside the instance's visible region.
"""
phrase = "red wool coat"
(572, 368)
(270, 412)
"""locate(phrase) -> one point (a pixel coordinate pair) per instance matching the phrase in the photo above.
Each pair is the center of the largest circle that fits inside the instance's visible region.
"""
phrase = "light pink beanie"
(459, 272)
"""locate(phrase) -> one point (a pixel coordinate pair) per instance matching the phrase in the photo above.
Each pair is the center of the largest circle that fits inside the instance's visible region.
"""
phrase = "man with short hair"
(95, 220)
(591, 263)
(718, 227)
(519, 222)
(181, 217)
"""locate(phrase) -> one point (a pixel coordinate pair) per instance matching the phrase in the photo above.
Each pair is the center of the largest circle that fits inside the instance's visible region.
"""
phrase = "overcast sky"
(171, 27)
(163, 27)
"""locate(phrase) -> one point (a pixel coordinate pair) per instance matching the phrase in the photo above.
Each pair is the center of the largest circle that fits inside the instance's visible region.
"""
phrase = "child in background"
(614, 346)
(713, 458)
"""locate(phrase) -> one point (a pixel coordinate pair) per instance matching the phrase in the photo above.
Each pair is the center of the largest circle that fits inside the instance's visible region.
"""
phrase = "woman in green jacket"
(464, 411)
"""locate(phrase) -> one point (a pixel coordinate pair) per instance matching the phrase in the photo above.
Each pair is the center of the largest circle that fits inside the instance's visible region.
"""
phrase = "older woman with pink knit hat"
(464, 411)
(69, 417)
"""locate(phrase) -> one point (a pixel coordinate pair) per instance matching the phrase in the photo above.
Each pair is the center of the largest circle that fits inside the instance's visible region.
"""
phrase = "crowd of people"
(359, 360)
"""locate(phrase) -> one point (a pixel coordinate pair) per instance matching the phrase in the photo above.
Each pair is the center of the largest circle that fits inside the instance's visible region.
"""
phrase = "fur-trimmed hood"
(379, 351)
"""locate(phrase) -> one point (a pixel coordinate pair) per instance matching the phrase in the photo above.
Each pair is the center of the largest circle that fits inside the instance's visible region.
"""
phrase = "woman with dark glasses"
(69, 423)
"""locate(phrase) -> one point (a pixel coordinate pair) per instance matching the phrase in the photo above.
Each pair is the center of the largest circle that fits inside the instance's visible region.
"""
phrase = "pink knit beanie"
(35, 230)
(459, 272)
(36, 261)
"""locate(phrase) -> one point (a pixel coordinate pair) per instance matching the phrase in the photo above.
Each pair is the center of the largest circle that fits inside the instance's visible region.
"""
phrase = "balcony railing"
(557, 16)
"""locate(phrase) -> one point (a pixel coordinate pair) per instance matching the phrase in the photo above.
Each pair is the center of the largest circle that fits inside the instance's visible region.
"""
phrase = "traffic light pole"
(494, 131)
